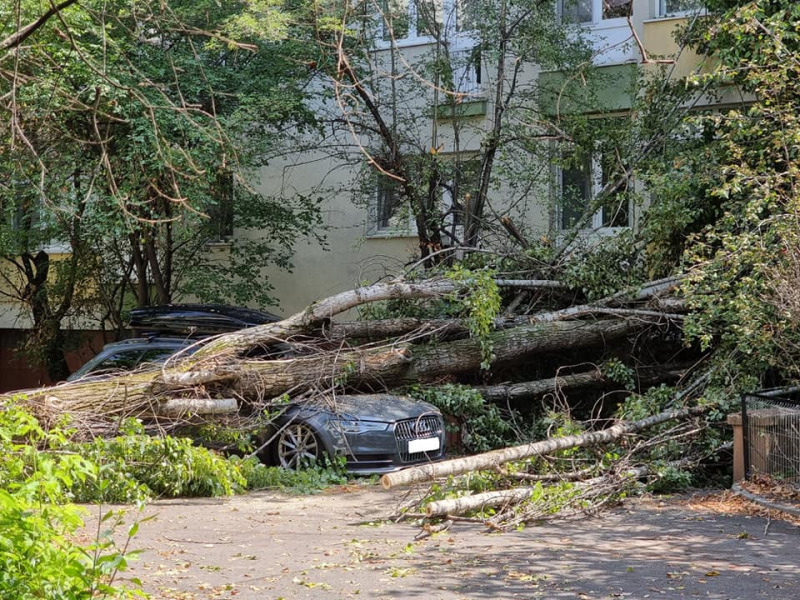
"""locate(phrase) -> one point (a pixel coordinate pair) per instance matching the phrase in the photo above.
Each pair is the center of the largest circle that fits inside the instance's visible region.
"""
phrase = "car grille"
(426, 426)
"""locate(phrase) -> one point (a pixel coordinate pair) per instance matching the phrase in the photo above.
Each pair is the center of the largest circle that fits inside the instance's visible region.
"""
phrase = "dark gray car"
(131, 354)
(376, 433)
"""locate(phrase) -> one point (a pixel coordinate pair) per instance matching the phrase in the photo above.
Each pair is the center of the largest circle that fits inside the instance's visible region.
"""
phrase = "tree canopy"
(132, 137)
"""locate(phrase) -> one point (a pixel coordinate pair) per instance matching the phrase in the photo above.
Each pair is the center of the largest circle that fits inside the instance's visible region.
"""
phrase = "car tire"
(295, 446)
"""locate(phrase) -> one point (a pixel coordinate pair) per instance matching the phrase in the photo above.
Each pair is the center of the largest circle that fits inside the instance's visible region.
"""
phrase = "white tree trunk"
(494, 458)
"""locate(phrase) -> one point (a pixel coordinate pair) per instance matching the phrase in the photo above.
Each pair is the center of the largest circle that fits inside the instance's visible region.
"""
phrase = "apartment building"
(451, 112)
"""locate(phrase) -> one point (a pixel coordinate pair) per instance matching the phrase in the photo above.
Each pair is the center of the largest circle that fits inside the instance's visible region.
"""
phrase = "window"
(469, 14)
(417, 21)
(576, 185)
(395, 19)
(466, 70)
(430, 17)
(390, 213)
(593, 11)
(678, 7)
(411, 19)
(124, 360)
(457, 192)
(581, 179)
(576, 11)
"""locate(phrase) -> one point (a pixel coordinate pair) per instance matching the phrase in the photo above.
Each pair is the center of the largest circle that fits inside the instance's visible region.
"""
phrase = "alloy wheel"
(297, 445)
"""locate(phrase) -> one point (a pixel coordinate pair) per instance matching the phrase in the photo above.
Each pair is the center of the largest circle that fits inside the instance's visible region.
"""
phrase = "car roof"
(177, 342)
(198, 319)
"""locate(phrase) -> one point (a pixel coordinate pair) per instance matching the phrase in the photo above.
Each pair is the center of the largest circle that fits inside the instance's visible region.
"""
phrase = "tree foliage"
(132, 138)
(727, 201)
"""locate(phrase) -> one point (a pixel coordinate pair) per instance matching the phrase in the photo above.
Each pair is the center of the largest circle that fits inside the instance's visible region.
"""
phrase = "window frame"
(449, 23)
(595, 184)
(663, 13)
(597, 21)
(375, 229)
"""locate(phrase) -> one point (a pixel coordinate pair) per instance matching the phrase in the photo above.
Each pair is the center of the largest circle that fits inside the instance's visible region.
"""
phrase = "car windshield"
(124, 359)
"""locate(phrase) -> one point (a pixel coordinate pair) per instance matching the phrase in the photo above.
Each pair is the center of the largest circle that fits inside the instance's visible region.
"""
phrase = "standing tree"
(130, 131)
(450, 134)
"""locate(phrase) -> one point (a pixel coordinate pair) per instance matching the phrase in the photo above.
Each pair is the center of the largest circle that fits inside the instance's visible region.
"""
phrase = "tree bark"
(530, 389)
(497, 457)
(465, 504)
(177, 407)
(260, 380)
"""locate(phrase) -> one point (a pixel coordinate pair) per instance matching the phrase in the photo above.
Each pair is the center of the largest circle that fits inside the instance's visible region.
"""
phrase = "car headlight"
(356, 426)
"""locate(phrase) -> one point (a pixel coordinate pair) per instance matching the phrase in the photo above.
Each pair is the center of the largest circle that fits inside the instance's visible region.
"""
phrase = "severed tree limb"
(497, 457)
(324, 310)
(379, 367)
(216, 371)
(531, 389)
(550, 477)
(176, 407)
(19, 36)
(465, 504)
(647, 291)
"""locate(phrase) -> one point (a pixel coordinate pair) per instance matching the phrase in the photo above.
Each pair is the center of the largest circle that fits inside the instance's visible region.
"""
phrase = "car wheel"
(296, 446)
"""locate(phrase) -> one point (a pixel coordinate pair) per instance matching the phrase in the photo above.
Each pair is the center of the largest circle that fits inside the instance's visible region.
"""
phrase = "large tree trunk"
(376, 368)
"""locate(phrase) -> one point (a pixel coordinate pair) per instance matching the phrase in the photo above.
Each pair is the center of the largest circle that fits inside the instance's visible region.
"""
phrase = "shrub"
(136, 466)
(37, 556)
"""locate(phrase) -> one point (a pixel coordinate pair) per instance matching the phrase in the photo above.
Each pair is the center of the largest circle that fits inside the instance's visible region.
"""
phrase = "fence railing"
(771, 434)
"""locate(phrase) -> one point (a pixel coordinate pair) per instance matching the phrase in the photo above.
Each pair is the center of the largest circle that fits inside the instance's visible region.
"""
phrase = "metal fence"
(771, 434)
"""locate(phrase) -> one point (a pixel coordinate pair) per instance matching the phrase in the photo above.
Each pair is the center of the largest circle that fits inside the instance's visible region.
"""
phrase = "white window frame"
(449, 21)
(597, 21)
(468, 75)
(405, 227)
(663, 13)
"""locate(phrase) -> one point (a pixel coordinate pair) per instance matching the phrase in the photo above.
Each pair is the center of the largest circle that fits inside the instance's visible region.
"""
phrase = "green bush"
(37, 556)
(136, 466)
(316, 477)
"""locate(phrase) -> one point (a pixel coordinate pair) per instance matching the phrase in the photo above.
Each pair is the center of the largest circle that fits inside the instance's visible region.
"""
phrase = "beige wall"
(350, 257)
(659, 41)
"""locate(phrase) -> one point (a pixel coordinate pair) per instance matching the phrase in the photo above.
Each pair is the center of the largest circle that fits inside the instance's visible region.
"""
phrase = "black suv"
(161, 331)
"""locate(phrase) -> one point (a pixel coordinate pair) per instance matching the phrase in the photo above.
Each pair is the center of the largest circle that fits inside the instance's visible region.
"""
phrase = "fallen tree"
(220, 367)
(224, 380)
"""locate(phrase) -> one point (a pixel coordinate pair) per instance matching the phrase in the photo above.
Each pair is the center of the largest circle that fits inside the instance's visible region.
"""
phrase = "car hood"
(387, 408)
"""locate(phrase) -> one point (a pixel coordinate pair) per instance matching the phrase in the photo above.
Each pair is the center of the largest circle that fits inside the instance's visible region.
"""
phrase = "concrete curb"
(736, 489)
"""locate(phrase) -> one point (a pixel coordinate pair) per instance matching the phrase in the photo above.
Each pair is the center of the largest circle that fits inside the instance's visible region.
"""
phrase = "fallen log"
(561, 383)
(177, 407)
(465, 504)
(513, 345)
(530, 389)
(323, 310)
(130, 393)
(497, 457)
(493, 499)
(218, 369)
